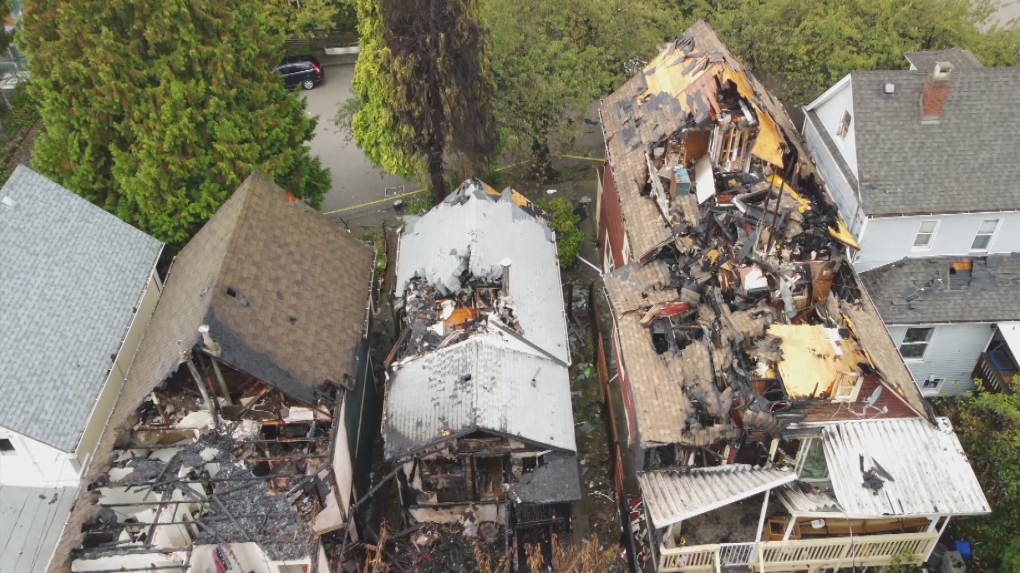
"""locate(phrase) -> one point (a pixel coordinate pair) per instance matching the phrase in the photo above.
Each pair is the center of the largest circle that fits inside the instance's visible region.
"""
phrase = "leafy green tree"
(552, 59)
(563, 220)
(308, 18)
(423, 90)
(988, 426)
(801, 47)
(158, 110)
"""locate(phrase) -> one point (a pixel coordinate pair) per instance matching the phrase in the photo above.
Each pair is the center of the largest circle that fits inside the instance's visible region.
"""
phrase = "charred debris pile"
(753, 255)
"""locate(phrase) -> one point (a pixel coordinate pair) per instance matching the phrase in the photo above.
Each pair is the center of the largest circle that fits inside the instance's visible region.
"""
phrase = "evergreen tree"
(422, 86)
(158, 110)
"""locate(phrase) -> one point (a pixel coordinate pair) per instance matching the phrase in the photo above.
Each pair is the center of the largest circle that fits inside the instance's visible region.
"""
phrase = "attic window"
(847, 387)
(844, 125)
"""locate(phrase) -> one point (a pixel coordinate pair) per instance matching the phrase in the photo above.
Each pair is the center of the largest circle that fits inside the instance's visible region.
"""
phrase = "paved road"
(355, 180)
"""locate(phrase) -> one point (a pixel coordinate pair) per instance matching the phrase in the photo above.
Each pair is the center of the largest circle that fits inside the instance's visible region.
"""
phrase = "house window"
(984, 235)
(847, 387)
(844, 125)
(811, 460)
(925, 234)
(932, 384)
(7, 447)
(915, 343)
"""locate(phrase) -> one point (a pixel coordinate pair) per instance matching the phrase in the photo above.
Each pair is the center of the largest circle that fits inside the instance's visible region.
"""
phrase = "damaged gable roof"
(479, 384)
(930, 290)
(965, 162)
(677, 88)
(283, 289)
(472, 234)
(71, 277)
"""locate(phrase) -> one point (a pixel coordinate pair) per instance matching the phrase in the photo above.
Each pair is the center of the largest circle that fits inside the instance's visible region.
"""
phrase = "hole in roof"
(293, 320)
(231, 292)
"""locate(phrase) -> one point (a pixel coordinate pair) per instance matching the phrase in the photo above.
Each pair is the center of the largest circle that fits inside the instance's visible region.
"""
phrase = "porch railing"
(800, 554)
(994, 379)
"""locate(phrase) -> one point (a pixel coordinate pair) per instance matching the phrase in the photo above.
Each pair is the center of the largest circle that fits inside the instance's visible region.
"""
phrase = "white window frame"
(802, 453)
(843, 129)
(932, 390)
(847, 387)
(991, 236)
(931, 236)
(934, 332)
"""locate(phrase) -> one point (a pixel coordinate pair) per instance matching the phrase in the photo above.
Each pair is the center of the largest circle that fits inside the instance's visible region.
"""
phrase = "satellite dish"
(874, 397)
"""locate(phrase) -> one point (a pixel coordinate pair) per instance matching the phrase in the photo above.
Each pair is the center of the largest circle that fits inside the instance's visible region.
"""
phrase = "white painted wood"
(831, 113)
(843, 194)
(952, 354)
(890, 239)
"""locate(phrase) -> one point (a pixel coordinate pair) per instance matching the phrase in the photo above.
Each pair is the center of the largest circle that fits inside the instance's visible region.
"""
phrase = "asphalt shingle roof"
(71, 275)
(922, 291)
(960, 58)
(965, 162)
(283, 289)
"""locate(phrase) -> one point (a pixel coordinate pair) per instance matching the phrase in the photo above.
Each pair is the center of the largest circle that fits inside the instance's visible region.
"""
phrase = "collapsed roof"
(485, 337)
(260, 273)
(742, 314)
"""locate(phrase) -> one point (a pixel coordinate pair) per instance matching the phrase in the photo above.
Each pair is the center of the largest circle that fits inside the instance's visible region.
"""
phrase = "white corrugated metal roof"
(31, 519)
(481, 383)
(672, 497)
(801, 498)
(929, 469)
(475, 231)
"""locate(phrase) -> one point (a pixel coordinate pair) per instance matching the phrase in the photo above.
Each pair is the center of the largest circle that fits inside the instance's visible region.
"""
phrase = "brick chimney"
(935, 92)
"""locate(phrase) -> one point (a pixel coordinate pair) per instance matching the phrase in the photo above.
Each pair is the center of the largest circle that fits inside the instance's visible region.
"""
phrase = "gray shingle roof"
(922, 291)
(960, 58)
(965, 162)
(70, 277)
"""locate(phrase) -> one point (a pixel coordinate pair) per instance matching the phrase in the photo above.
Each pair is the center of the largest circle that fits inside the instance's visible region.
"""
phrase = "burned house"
(477, 412)
(234, 444)
(771, 422)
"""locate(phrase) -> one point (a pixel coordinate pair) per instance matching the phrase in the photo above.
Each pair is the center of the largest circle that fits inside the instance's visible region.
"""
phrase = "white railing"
(689, 559)
(800, 554)
(741, 554)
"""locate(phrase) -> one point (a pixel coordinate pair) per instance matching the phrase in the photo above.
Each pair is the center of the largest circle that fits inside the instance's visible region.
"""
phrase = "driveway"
(355, 179)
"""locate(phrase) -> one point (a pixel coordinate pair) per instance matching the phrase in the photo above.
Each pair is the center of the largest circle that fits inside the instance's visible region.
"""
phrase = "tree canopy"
(158, 110)
(307, 18)
(550, 60)
(801, 47)
(988, 426)
(424, 95)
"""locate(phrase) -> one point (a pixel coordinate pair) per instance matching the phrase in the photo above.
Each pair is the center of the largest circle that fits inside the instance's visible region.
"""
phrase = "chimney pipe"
(208, 341)
(185, 356)
(935, 92)
(505, 263)
(214, 350)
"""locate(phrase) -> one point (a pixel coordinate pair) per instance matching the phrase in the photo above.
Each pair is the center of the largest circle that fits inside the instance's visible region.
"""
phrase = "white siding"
(103, 407)
(842, 193)
(890, 239)
(952, 354)
(35, 464)
(831, 112)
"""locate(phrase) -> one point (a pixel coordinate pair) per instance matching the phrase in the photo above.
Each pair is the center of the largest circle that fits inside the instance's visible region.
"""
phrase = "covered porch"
(998, 366)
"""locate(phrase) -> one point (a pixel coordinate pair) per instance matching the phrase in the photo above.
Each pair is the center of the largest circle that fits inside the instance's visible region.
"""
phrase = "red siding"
(611, 218)
(825, 411)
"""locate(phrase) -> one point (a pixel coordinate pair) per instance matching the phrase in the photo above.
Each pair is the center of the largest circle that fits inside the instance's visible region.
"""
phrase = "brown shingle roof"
(286, 260)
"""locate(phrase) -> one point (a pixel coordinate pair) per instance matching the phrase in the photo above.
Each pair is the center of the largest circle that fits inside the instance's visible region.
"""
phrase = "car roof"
(299, 58)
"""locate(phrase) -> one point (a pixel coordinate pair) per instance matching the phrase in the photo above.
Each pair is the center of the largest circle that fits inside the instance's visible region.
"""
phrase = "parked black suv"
(304, 71)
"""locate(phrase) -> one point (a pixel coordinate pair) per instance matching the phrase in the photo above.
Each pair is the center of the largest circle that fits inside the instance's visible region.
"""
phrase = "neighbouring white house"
(921, 164)
(77, 289)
